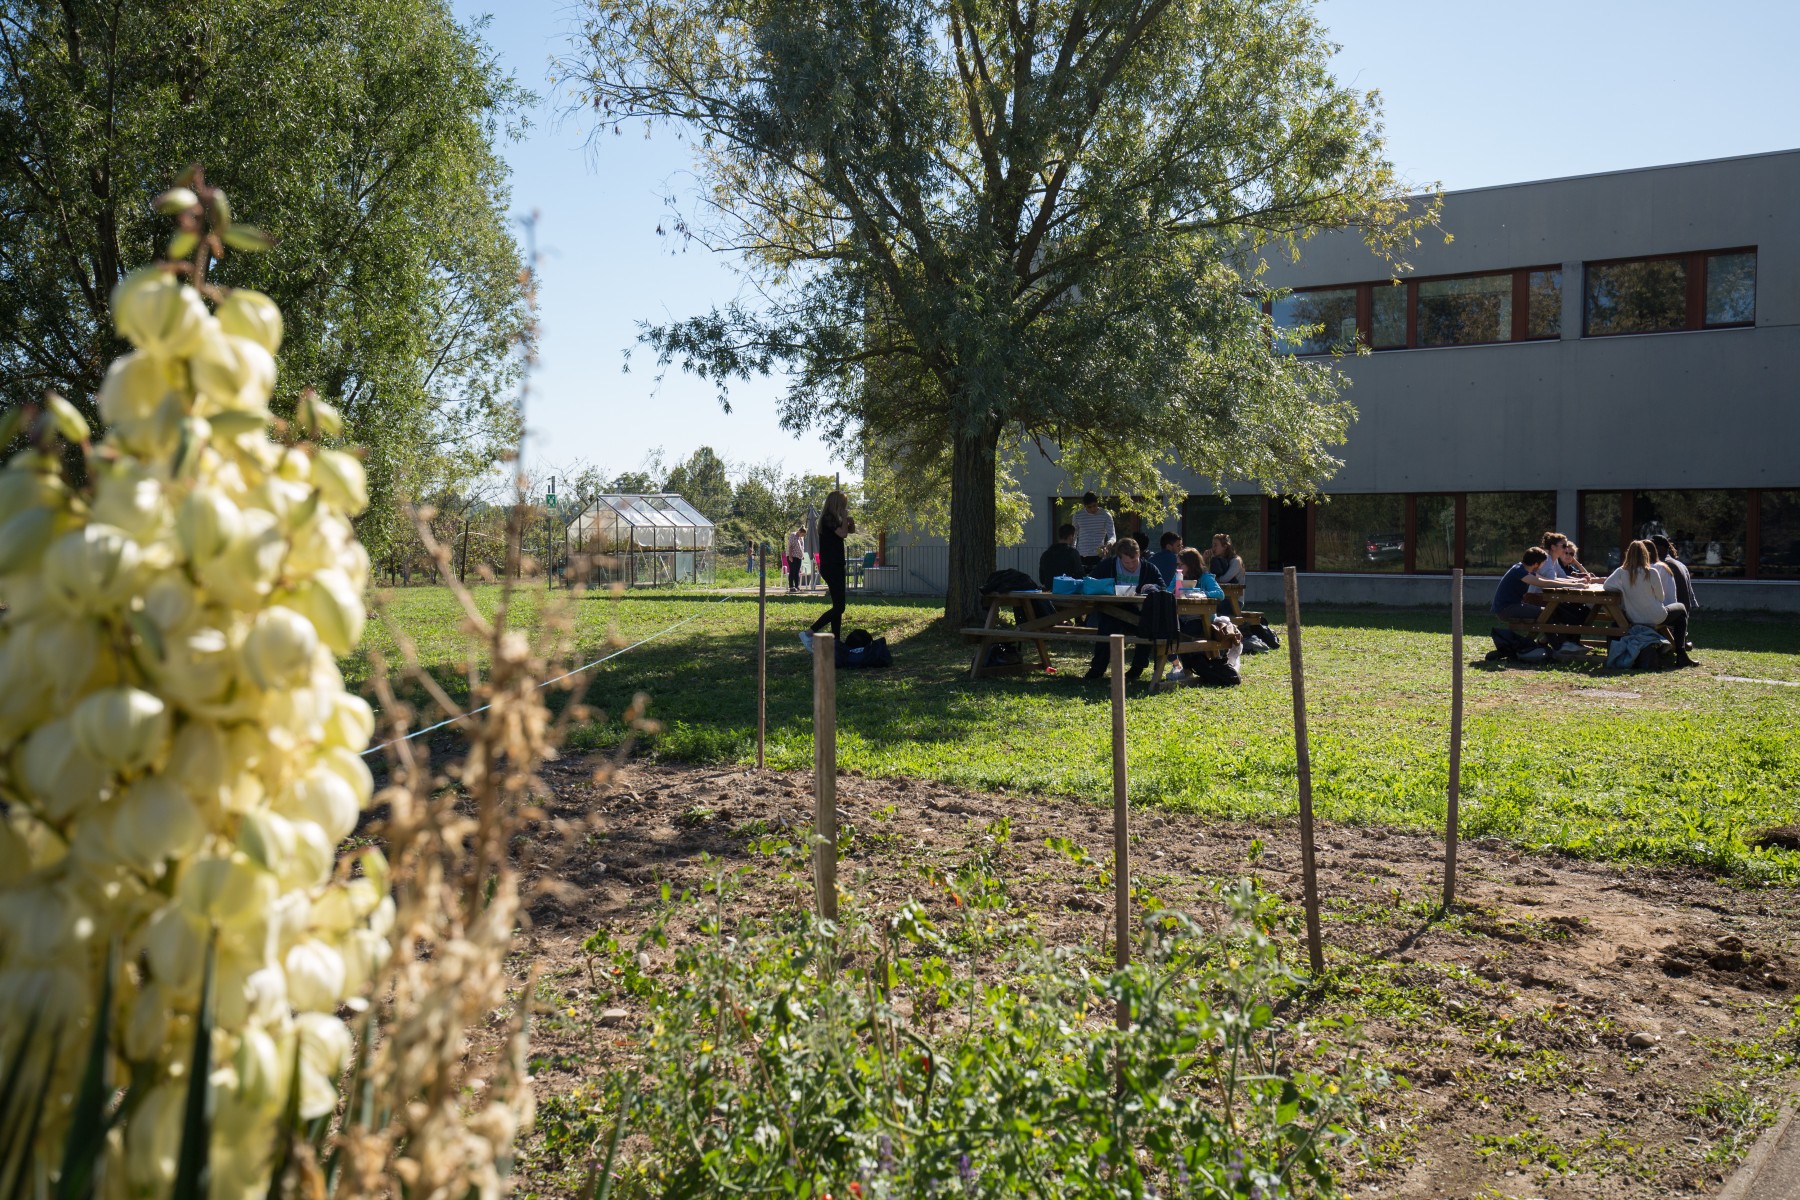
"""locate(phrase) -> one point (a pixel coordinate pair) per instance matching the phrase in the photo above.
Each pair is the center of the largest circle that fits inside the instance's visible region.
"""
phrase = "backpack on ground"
(1214, 672)
(859, 648)
(1263, 634)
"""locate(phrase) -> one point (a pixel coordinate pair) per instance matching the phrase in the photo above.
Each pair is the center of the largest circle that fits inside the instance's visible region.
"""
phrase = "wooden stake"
(762, 654)
(824, 652)
(1308, 869)
(1456, 709)
(1121, 824)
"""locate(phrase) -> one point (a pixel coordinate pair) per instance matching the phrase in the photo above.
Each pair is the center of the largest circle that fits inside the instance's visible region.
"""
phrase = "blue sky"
(1474, 94)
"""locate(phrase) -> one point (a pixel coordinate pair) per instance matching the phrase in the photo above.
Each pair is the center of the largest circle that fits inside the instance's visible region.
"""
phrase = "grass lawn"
(1680, 766)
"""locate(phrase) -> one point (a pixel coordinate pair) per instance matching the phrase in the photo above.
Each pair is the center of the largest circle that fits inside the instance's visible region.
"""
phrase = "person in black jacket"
(1684, 582)
(1126, 566)
(1061, 559)
(834, 526)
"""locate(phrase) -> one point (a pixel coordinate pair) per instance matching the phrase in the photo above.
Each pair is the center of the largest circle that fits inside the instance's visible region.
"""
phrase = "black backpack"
(859, 648)
(1009, 580)
(1215, 672)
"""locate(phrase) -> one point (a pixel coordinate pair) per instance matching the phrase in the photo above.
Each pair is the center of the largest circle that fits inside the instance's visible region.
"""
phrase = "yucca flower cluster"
(179, 760)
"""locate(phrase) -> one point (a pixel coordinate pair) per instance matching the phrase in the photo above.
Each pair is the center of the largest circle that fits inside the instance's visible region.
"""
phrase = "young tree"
(704, 481)
(979, 224)
(359, 132)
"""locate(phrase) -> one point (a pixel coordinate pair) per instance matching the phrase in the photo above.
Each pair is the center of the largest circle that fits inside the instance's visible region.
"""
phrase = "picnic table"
(1065, 621)
(1605, 621)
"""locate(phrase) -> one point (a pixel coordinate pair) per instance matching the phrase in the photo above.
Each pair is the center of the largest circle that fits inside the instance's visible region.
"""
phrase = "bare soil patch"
(1575, 1029)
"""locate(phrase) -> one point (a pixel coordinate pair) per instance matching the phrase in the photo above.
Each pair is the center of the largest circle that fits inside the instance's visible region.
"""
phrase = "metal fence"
(925, 570)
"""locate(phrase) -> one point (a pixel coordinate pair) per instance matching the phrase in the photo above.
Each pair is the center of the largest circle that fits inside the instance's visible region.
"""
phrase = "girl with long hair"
(834, 526)
(1640, 584)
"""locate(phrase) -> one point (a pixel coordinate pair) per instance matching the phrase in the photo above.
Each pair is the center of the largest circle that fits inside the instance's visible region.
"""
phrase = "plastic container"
(1065, 585)
(1096, 587)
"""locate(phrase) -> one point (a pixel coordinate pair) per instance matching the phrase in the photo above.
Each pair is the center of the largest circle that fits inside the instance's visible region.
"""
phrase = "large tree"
(361, 133)
(981, 225)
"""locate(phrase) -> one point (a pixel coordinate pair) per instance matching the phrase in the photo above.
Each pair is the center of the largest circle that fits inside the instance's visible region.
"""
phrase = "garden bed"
(1575, 1028)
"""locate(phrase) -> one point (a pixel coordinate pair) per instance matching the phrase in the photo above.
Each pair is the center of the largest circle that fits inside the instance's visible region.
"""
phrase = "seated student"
(1510, 603)
(1684, 582)
(1061, 559)
(1562, 565)
(1204, 582)
(1640, 583)
(1226, 567)
(1126, 567)
(1168, 559)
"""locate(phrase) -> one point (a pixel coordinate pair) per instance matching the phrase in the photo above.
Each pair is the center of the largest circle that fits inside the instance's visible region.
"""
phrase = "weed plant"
(886, 1056)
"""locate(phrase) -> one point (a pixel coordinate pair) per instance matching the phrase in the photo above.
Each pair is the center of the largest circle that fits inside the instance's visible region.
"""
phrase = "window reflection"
(1328, 315)
(1360, 533)
(1649, 296)
(1600, 521)
(1731, 289)
(1708, 528)
(1500, 525)
(1434, 520)
(1387, 306)
(1780, 535)
(1460, 312)
(1543, 307)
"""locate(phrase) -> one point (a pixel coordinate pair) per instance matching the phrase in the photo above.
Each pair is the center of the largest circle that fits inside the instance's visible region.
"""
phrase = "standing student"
(1093, 530)
(834, 526)
(796, 553)
(1639, 583)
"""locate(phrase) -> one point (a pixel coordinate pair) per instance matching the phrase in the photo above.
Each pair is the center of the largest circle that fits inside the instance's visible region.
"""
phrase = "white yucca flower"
(179, 761)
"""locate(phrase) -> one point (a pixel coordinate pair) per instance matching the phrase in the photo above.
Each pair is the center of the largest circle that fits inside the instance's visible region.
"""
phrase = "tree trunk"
(973, 461)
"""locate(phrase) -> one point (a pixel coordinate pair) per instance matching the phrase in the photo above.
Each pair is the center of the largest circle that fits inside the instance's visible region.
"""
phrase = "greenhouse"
(640, 541)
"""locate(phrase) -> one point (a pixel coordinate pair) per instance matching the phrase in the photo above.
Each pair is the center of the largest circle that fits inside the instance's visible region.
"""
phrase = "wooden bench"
(1062, 624)
(1605, 622)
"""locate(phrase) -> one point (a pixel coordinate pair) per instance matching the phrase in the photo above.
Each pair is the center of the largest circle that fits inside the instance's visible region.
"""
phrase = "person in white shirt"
(796, 556)
(1562, 565)
(1641, 582)
(1093, 530)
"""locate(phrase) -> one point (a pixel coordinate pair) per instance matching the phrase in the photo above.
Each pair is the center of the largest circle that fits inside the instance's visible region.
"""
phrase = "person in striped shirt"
(1093, 530)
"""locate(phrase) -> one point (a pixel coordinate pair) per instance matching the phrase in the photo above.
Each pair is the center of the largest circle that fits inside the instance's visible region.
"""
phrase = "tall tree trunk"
(973, 462)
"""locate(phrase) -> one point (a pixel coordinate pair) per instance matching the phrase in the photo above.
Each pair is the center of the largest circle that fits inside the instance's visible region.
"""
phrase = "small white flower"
(250, 314)
(279, 648)
(122, 727)
(315, 976)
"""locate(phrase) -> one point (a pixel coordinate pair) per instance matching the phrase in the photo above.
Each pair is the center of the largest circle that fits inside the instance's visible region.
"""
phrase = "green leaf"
(193, 1170)
(176, 200)
(18, 1129)
(183, 244)
(248, 238)
(86, 1142)
(235, 424)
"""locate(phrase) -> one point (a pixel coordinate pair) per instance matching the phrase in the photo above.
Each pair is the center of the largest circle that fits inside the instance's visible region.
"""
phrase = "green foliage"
(1688, 771)
(360, 132)
(991, 225)
(876, 1058)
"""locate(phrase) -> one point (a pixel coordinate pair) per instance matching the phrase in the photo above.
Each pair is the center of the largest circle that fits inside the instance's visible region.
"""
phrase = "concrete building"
(1607, 355)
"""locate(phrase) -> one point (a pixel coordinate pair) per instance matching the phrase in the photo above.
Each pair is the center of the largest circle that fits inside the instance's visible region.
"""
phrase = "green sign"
(550, 499)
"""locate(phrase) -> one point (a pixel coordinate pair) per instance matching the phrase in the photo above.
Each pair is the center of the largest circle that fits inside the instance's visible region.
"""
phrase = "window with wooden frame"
(1481, 308)
(1705, 289)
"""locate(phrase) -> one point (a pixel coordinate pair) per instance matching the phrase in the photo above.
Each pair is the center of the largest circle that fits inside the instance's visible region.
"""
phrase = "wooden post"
(1121, 824)
(1308, 869)
(824, 652)
(1456, 708)
(762, 653)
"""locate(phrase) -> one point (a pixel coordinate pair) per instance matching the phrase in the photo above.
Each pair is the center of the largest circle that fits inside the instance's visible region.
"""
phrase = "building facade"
(1610, 356)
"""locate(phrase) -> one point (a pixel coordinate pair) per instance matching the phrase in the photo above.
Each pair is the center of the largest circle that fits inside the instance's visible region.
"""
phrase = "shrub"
(874, 1057)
